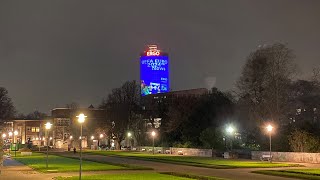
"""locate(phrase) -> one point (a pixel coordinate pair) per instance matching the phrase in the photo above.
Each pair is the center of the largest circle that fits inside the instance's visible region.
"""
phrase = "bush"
(212, 138)
(302, 141)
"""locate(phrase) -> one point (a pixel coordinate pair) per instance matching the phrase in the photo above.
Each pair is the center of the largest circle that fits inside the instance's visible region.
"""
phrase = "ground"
(217, 163)
(19, 171)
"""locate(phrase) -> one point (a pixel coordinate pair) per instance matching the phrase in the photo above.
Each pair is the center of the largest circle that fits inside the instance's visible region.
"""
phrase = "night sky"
(61, 51)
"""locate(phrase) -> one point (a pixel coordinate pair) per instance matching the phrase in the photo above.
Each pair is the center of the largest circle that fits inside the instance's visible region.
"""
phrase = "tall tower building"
(154, 71)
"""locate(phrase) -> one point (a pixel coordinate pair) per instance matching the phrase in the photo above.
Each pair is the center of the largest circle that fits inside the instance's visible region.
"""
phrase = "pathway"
(238, 174)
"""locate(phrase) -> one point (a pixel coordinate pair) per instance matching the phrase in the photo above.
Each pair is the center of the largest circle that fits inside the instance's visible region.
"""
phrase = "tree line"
(268, 91)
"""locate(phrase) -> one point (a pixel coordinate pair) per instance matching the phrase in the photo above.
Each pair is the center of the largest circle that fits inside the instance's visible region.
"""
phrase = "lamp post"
(153, 134)
(129, 136)
(230, 130)
(269, 129)
(3, 137)
(99, 143)
(15, 143)
(48, 127)
(10, 134)
(81, 119)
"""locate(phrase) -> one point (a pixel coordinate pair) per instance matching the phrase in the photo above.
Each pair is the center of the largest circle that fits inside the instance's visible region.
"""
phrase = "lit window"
(35, 129)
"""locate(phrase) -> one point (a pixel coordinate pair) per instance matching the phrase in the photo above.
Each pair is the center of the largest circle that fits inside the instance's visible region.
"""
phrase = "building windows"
(35, 129)
(28, 128)
(62, 121)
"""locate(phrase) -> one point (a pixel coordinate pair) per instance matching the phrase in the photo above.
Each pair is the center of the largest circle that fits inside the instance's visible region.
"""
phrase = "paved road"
(238, 174)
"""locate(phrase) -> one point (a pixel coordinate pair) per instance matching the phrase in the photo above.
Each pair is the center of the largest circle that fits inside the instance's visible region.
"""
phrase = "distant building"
(154, 71)
(64, 126)
(28, 131)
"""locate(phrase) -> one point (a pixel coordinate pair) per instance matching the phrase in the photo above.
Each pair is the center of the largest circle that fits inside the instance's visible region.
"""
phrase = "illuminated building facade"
(154, 71)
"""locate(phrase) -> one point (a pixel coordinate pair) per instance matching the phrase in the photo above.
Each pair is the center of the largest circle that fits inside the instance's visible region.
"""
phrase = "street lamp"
(230, 130)
(10, 134)
(100, 137)
(15, 143)
(269, 129)
(92, 137)
(81, 119)
(48, 127)
(153, 134)
(129, 136)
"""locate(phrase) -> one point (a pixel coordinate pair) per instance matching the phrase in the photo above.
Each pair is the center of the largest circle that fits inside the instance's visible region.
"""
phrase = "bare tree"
(263, 85)
(121, 106)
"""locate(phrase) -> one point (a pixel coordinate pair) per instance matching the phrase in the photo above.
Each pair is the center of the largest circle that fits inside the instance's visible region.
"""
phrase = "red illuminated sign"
(153, 51)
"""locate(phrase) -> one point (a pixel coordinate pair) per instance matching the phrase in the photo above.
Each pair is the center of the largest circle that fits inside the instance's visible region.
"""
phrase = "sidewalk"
(13, 170)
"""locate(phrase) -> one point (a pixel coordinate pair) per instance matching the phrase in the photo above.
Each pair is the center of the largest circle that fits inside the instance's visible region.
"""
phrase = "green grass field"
(313, 174)
(195, 161)
(61, 164)
(136, 176)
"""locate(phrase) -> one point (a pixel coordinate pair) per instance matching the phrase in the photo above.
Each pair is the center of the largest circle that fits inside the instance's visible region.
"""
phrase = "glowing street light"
(4, 135)
(269, 129)
(230, 131)
(92, 137)
(10, 134)
(101, 136)
(48, 127)
(153, 134)
(81, 119)
(70, 137)
(129, 136)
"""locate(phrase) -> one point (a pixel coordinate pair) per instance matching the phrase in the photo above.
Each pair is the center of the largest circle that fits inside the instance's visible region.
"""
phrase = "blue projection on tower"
(154, 71)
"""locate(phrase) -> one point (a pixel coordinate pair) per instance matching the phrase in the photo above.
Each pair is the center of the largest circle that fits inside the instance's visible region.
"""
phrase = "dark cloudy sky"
(61, 51)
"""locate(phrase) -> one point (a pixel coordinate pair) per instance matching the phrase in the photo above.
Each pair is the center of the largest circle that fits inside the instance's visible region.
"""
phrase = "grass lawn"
(294, 173)
(195, 161)
(61, 164)
(137, 176)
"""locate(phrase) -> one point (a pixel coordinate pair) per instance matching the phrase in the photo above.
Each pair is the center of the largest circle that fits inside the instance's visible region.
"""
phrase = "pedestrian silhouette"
(74, 150)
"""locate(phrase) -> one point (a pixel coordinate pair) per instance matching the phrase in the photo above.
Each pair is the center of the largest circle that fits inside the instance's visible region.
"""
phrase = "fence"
(288, 156)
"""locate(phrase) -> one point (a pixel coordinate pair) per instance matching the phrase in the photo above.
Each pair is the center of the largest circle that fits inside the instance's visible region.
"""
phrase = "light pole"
(15, 143)
(81, 119)
(99, 141)
(129, 136)
(153, 134)
(230, 130)
(269, 129)
(10, 134)
(3, 137)
(48, 127)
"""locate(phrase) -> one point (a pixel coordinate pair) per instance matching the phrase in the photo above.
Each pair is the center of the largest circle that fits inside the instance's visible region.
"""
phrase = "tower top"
(153, 50)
